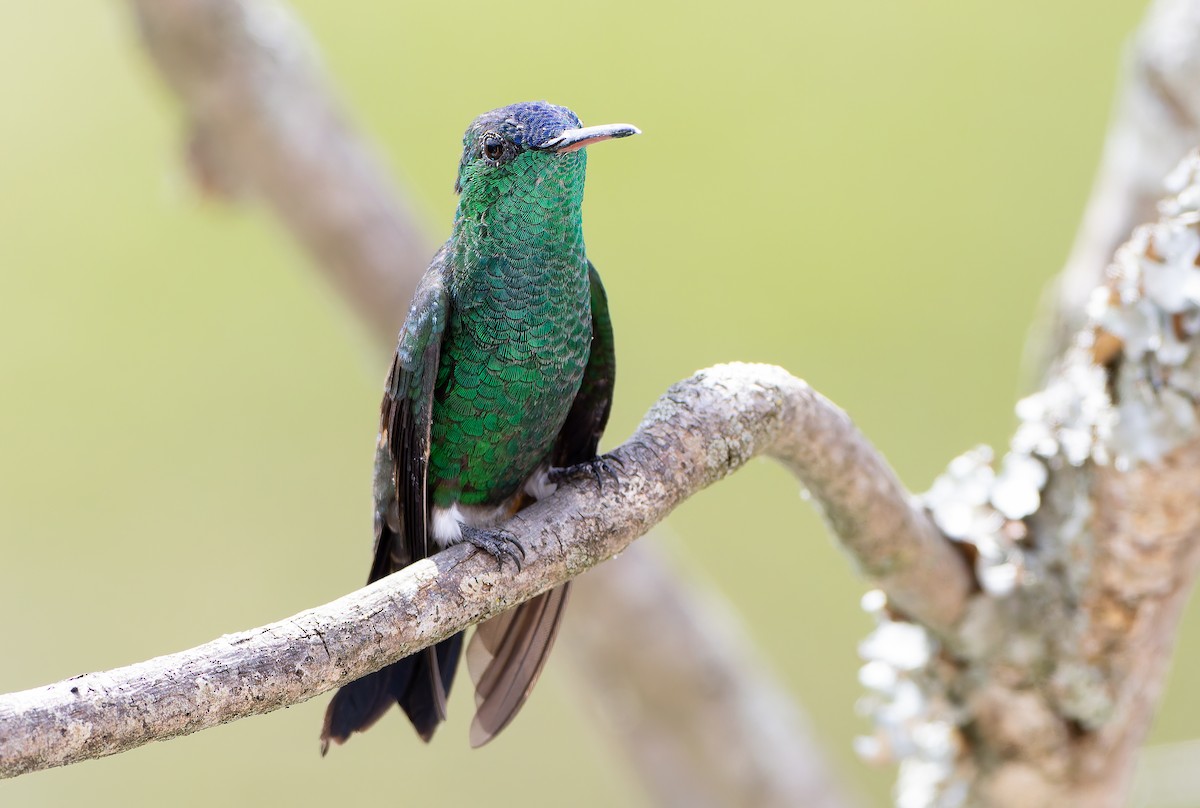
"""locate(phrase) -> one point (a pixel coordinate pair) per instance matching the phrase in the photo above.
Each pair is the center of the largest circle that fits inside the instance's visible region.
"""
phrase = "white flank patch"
(447, 529)
(538, 485)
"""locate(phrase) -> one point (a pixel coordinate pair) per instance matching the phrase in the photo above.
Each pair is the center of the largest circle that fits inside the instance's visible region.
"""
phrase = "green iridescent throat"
(520, 328)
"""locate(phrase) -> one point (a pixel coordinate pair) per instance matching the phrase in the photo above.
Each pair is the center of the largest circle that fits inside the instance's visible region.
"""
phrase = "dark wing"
(418, 683)
(507, 653)
(402, 454)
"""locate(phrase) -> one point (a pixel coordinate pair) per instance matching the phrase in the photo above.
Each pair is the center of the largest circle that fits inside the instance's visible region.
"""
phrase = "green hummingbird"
(500, 388)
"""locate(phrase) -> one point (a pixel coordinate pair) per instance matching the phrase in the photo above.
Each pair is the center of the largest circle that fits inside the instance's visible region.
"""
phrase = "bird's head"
(528, 153)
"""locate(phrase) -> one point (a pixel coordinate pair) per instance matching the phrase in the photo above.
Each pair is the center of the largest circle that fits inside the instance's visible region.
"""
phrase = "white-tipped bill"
(575, 139)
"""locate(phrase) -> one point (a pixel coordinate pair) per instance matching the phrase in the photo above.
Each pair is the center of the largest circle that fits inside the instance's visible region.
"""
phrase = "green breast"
(516, 347)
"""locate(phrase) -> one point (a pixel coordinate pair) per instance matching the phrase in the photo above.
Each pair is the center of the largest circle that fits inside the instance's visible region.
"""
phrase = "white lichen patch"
(911, 727)
(972, 504)
(1151, 305)
(1017, 490)
(1069, 420)
(898, 645)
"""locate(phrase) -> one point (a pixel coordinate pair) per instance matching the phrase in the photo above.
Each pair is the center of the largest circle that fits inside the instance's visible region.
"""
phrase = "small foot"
(499, 544)
(597, 468)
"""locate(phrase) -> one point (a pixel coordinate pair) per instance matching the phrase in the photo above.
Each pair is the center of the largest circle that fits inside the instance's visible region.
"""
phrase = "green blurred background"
(871, 195)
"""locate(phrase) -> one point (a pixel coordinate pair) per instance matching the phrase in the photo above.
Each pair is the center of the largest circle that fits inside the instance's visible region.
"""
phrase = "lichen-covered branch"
(1085, 539)
(701, 430)
(1086, 546)
(1156, 120)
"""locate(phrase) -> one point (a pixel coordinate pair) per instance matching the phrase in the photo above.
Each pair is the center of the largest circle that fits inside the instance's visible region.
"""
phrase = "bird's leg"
(597, 468)
(499, 544)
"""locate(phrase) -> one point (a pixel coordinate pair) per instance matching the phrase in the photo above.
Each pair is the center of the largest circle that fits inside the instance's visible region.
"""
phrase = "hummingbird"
(500, 389)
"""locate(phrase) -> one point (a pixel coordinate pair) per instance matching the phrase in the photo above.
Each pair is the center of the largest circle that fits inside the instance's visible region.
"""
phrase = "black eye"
(493, 147)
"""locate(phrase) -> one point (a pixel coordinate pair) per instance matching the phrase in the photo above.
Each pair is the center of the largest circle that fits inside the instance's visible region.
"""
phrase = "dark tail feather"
(422, 700)
(409, 683)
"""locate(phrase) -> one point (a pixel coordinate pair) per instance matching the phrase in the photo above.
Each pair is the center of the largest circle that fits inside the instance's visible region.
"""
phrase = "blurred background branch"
(678, 679)
(261, 120)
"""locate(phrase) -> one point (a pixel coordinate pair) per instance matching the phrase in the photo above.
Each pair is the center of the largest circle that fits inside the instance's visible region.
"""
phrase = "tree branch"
(1086, 546)
(1156, 119)
(701, 430)
(262, 120)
